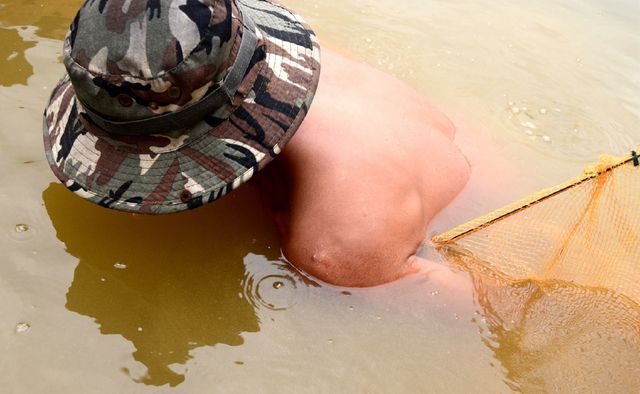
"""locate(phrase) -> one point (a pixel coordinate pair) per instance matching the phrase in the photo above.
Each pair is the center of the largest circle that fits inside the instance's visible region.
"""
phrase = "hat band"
(194, 113)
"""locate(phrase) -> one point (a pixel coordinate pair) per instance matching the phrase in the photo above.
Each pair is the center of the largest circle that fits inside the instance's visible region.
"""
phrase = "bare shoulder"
(355, 81)
(363, 176)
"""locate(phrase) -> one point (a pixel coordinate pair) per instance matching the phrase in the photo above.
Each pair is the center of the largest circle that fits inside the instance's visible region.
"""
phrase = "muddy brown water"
(95, 301)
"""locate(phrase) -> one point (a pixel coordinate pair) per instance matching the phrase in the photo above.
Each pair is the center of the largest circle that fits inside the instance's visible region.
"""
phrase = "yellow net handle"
(605, 163)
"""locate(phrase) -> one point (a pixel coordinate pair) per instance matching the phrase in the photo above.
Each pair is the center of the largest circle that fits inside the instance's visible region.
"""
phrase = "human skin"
(354, 190)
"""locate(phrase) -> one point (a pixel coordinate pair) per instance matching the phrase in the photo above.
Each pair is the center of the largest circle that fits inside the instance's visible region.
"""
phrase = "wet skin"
(355, 189)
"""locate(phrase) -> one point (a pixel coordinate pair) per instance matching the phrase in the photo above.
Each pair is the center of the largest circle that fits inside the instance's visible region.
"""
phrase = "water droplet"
(102, 279)
(120, 266)
(21, 228)
(515, 110)
(546, 138)
(543, 111)
(139, 329)
(330, 340)
(277, 285)
(22, 327)
(351, 307)
(434, 292)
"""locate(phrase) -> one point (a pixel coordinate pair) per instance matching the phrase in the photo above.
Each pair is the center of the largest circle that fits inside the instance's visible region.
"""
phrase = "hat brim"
(159, 173)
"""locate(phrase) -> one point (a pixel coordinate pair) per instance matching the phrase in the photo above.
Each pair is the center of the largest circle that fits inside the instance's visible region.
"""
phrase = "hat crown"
(135, 59)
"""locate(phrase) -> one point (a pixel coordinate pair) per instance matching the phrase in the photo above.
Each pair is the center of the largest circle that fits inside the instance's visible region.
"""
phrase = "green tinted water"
(99, 301)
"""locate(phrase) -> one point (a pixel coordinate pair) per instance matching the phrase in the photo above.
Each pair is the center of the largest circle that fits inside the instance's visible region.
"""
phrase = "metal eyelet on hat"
(174, 92)
(185, 196)
(125, 100)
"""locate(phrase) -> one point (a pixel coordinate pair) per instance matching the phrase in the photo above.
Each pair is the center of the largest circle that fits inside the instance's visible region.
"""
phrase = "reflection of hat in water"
(171, 104)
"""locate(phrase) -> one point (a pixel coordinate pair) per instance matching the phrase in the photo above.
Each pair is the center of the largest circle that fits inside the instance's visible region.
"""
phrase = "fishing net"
(557, 275)
(585, 231)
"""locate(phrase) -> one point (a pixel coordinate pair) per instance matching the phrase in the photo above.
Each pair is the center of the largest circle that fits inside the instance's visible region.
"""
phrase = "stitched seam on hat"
(128, 76)
(262, 64)
(163, 72)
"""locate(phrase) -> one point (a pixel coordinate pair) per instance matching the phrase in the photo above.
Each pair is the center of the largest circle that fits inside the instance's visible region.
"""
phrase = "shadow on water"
(13, 63)
(51, 19)
(168, 284)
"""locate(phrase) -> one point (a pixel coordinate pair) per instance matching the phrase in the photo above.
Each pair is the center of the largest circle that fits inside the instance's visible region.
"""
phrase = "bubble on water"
(22, 232)
(275, 292)
(102, 279)
(120, 266)
(139, 329)
(22, 327)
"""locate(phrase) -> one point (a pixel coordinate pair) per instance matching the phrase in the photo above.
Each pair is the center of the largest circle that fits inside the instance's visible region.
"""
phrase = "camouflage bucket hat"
(171, 104)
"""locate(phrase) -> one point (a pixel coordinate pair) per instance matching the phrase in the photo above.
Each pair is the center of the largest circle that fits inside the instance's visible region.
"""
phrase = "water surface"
(101, 301)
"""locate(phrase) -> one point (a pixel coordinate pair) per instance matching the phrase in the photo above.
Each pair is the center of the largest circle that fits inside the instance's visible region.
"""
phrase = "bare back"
(354, 190)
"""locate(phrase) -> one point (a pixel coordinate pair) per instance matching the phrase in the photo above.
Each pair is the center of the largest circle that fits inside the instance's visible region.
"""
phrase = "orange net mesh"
(585, 231)
(557, 275)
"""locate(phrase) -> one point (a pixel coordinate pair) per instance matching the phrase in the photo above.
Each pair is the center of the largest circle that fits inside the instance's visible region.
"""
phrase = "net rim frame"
(606, 164)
